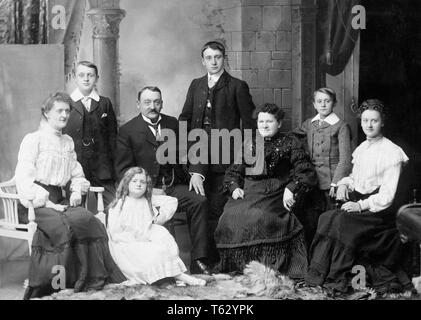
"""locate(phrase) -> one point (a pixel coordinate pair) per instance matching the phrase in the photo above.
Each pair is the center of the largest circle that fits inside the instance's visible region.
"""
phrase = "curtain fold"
(29, 22)
(336, 33)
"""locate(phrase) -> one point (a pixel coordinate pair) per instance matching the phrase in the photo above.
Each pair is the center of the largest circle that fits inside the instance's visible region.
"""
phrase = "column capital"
(106, 22)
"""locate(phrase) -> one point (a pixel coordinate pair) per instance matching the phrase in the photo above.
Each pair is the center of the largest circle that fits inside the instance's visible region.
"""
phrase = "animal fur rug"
(257, 282)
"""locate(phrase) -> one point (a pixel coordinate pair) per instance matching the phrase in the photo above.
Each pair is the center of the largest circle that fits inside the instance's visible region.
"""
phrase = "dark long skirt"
(74, 242)
(259, 228)
(344, 240)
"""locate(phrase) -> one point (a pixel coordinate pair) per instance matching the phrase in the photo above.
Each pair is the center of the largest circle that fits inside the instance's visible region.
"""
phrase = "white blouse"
(133, 219)
(377, 164)
(47, 156)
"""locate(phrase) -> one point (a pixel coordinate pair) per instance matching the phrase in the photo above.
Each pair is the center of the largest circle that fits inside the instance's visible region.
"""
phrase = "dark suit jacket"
(104, 135)
(329, 147)
(137, 146)
(232, 108)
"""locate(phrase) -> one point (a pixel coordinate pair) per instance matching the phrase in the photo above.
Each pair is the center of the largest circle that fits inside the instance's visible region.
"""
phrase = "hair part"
(271, 108)
(330, 92)
(373, 104)
(89, 65)
(150, 88)
(214, 45)
(53, 98)
(123, 188)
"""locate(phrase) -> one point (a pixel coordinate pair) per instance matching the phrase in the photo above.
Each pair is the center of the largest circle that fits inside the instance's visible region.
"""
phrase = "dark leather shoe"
(198, 267)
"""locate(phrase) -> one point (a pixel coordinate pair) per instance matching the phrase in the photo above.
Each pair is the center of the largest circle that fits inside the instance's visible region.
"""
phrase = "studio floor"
(13, 273)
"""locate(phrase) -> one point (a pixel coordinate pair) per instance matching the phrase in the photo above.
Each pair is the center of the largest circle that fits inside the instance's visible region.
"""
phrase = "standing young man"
(93, 127)
(215, 101)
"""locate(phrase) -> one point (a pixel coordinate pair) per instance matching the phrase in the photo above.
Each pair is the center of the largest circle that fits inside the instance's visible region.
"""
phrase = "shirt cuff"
(80, 185)
(232, 186)
(293, 186)
(364, 204)
(201, 175)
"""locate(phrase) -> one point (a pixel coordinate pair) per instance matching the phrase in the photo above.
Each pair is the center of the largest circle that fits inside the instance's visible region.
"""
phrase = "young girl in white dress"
(142, 248)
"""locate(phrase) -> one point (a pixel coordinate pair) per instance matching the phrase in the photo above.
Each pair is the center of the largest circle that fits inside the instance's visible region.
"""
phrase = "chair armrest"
(100, 206)
(31, 211)
(9, 195)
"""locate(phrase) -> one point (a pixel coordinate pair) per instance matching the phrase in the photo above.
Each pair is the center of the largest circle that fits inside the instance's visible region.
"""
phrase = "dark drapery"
(29, 22)
(336, 34)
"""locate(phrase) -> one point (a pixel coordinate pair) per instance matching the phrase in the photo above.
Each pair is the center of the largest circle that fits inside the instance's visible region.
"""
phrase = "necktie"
(85, 102)
(155, 126)
(211, 82)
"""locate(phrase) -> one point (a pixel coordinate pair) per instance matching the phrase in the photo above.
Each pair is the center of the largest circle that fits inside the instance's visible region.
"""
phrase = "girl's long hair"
(123, 187)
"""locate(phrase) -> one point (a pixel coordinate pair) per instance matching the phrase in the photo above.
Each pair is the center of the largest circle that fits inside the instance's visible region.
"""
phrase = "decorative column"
(303, 59)
(106, 29)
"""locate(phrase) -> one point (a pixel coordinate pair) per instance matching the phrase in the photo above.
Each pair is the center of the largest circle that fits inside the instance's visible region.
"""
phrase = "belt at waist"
(55, 192)
(356, 196)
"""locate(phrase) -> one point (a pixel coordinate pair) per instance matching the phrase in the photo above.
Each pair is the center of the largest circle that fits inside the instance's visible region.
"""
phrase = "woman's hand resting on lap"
(342, 193)
(288, 199)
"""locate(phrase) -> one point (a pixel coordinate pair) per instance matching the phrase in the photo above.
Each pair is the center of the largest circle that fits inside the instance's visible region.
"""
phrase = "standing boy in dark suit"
(216, 101)
(93, 127)
(137, 145)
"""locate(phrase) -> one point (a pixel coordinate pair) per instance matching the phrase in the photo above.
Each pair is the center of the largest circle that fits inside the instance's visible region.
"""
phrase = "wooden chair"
(409, 224)
(10, 226)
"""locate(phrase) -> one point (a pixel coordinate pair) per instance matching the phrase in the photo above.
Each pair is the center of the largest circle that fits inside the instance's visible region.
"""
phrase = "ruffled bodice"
(376, 165)
(47, 156)
(284, 158)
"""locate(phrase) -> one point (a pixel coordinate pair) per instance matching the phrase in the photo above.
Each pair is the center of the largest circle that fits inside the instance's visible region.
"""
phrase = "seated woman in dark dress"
(67, 235)
(363, 231)
(258, 222)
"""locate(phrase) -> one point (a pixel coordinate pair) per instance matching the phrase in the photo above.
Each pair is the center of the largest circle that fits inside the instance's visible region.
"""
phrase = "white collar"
(216, 76)
(147, 120)
(45, 126)
(371, 141)
(330, 119)
(77, 95)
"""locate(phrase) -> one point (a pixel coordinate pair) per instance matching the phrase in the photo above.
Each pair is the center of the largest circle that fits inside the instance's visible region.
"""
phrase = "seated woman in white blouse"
(67, 235)
(363, 231)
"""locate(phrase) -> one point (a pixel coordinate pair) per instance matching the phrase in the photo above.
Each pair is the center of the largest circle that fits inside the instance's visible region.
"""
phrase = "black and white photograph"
(199, 152)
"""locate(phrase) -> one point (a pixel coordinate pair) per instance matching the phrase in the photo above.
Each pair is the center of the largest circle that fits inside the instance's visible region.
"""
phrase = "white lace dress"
(143, 249)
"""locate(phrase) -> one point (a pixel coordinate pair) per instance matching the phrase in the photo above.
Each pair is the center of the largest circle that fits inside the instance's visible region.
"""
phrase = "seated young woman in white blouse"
(67, 234)
(363, 231)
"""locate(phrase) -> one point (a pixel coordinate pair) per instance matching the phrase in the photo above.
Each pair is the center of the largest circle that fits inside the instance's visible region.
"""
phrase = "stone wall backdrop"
(160, 44)
(258, 35)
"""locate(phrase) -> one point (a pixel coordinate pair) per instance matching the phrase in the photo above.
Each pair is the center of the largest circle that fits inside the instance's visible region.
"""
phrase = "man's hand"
(196, 183)
(238, 194)
(351, 207)
(75, 199)
(342, 193)
(57, 207)
(404, 238)
(288, 199)
(332, 192)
